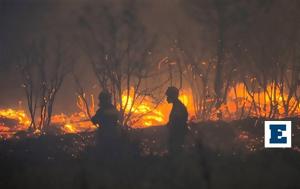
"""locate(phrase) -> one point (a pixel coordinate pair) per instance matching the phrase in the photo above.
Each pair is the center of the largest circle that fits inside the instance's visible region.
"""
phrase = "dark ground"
(217, 155)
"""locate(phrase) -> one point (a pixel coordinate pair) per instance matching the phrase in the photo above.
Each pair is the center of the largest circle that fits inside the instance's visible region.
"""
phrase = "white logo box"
(287, 133)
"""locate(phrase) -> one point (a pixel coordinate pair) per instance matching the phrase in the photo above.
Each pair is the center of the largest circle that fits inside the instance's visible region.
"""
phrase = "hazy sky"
(21, 19)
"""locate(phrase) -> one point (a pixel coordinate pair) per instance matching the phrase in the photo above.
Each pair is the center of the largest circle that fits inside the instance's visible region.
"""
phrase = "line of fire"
(143, 111)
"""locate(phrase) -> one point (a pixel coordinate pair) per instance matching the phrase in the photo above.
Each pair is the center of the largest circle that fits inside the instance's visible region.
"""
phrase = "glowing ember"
(75, 123)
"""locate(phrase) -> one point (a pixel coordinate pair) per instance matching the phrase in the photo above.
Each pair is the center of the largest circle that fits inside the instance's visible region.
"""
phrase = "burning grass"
(144, 112)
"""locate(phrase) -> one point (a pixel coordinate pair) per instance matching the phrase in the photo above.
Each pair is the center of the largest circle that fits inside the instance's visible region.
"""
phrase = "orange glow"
(144, 112)
(18, 115)
(147, 113)
(12, 121)
(258, 104)
(74, 123)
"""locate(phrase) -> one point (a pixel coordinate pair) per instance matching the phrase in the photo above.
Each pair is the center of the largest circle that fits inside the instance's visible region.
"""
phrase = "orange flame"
(144, 112)
(12, 121)
(260, 103)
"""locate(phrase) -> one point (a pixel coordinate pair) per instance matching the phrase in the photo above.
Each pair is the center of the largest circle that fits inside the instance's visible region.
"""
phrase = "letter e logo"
(278, 134)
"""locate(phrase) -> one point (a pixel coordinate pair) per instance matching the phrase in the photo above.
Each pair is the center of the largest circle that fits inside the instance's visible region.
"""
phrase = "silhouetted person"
(177, 121)
(107, 118)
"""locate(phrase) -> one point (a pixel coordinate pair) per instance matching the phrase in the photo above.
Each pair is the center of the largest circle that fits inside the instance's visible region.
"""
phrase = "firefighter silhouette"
(177, 121)
(107, 118)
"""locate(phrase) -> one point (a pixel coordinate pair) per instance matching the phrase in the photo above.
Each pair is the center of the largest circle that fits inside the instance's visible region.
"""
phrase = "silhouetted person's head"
(104, 98)
(172, 94)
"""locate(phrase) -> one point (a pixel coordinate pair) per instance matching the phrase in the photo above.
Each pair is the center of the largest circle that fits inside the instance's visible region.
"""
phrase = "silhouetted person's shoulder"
(106, 116)
(179, 113)
(180, 109)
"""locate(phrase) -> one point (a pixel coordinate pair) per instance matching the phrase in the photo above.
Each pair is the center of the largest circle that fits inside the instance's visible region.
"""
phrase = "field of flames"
(239, 104)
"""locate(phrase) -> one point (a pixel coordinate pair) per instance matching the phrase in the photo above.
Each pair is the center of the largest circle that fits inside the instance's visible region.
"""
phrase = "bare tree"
(43, 68)
(119, 49)
(220, 16)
